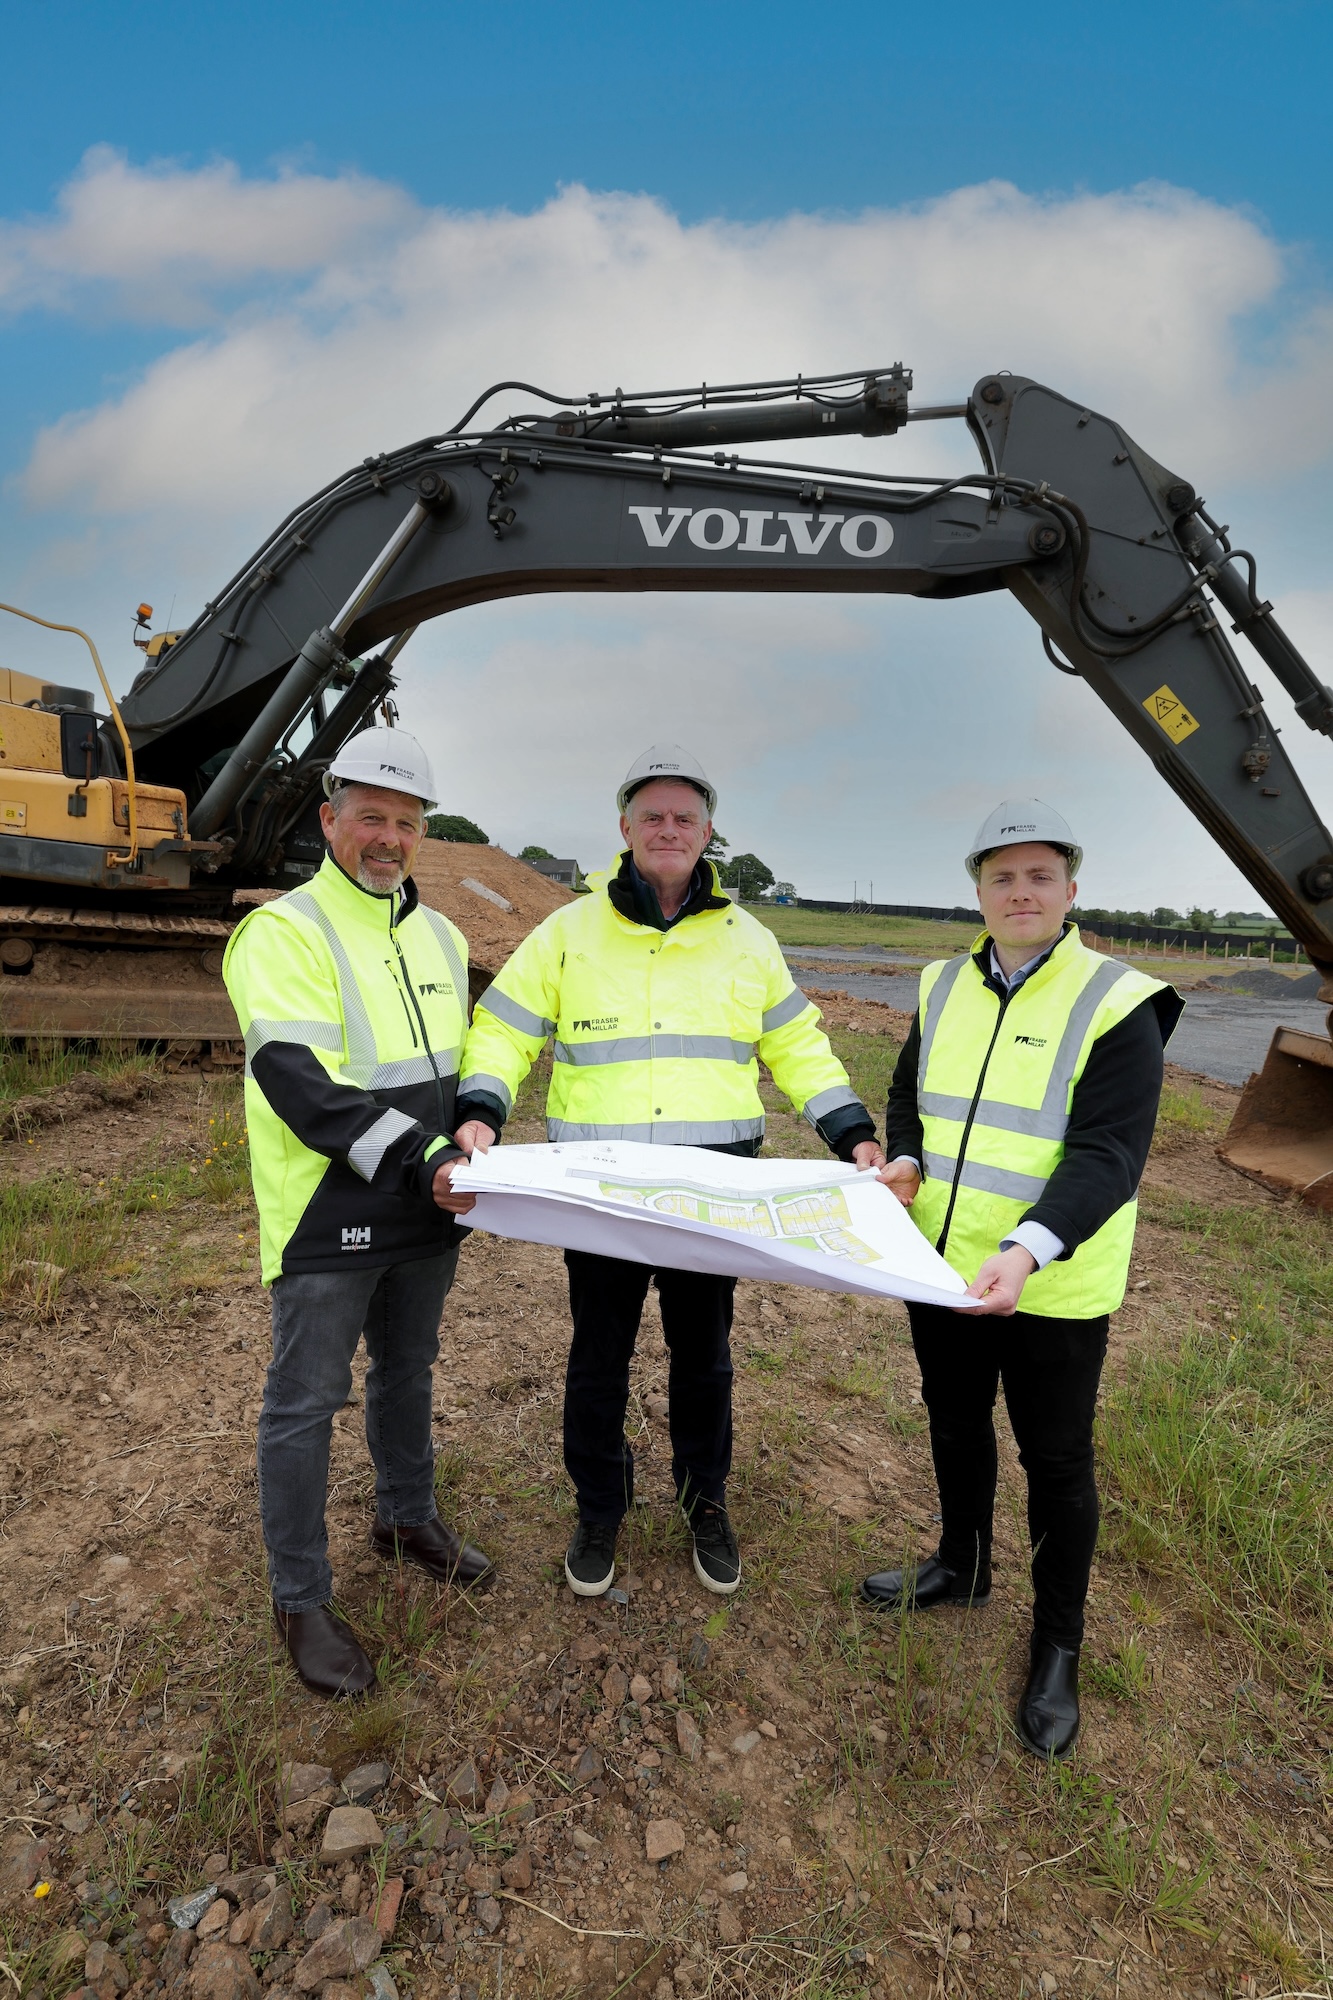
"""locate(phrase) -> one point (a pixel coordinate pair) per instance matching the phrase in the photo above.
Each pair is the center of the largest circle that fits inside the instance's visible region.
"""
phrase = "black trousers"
(1050, 1369)
(606, 1296)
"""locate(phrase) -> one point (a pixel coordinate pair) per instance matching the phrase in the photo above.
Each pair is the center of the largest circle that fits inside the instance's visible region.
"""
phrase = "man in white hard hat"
(660, 994)
(1019, 1120)
(353, 999)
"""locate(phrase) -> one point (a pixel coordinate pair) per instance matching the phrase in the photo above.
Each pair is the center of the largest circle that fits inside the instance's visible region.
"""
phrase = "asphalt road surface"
(1225, 1035)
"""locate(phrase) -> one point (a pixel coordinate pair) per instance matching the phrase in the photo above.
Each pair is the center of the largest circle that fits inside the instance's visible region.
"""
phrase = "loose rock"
(22, 1862)
(318, 1918)
(615, 1686)
(689, 1741)
(640, 1689)
(185, 1911)
(490, 1913)
(385, 1914)
(516, 1873)
(465, 1786)
(349, 1831)
(498, 1796)
(735, 1885)
(105, 1970)
(590, 1766)
(365, 1783)
(381, 1983)
(302, 1781)
(747, 1742)
(220, 1973)
(345, 1949)
(215, 1921)
(274, 1921)
(663, 1838)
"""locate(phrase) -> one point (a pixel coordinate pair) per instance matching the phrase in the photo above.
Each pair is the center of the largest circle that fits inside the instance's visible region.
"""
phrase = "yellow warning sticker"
(12, 813)
(1171, 712)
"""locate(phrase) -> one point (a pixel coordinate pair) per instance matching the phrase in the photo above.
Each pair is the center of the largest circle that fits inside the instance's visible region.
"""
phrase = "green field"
(831, 927)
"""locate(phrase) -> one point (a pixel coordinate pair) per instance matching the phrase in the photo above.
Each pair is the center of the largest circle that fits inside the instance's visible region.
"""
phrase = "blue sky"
(240, 246)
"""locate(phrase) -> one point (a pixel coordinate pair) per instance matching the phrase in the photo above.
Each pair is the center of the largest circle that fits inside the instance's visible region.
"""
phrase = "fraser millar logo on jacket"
(1032, 1041)
(436, 986)
(356, 1239)
(598, 1027)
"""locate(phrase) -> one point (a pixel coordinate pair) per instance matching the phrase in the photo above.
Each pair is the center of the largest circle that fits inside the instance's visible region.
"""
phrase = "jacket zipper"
(425, 1038)
(967, 1126)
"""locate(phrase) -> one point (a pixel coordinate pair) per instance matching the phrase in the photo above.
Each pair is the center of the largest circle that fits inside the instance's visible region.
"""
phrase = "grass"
(29, 1067)
(831, 927)
(63, 1224)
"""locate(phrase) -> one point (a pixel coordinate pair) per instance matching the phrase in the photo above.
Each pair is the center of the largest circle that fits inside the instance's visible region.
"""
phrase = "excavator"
(132, 834)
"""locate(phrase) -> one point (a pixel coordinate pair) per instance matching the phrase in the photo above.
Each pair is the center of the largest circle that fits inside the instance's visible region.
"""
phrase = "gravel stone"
(185, 1911)
(516, 1873)
(747, 1742)
(302, 1781)
(349, 1831)
(215, 1921)
(345, 1949)
(663, 1838)
(365, 1783)
(274, 1921)
(641, 1689)
(464, 1787)
(219, 1973)
(689, 1741)
(490, 1913)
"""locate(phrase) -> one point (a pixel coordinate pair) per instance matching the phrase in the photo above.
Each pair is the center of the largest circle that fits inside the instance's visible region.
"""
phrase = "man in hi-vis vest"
(352, 996)
(1019, 1120)
(663, 998)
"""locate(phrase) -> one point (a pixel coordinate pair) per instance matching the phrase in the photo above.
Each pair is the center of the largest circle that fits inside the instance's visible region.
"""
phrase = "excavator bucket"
(1282, 1132)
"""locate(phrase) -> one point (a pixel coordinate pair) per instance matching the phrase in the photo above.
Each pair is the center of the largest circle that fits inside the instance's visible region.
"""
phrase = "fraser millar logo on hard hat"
(1026, 827)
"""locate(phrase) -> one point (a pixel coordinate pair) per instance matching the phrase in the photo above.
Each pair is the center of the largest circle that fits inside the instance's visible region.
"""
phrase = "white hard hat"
(387, 758)
(666, 760)
(1019, 820)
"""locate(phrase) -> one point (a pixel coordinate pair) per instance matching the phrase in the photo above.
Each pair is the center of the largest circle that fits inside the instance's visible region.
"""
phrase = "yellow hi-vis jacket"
(995, 1083)
(656, 1032)
(354, 1008)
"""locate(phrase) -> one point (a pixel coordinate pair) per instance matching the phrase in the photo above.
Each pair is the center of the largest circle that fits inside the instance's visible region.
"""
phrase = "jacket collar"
(363, 905)
(981, 958)
(636, 900)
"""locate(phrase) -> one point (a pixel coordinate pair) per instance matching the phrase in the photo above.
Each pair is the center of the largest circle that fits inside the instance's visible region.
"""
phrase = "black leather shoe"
(924, 1585)
(1047, 1717)
(325, 1652)
(434, 1548)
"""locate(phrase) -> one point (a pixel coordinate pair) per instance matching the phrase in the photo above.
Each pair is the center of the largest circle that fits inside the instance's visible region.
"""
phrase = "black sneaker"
(590, 1560)
(717, 1559)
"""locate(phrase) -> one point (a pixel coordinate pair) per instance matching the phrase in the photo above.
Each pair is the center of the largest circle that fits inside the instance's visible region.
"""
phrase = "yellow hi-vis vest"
(994, 1085)
(656, 1032)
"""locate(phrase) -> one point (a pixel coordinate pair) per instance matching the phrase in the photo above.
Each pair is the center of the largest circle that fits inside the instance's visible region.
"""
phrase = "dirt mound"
(861, 1017)
(1261, 982)
(454, 876)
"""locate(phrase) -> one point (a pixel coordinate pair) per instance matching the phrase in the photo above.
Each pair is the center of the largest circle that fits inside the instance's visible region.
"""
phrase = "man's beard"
(376, 885)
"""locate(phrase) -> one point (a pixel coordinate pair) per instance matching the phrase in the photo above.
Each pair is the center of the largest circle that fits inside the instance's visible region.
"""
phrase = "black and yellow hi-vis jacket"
(354, 1010)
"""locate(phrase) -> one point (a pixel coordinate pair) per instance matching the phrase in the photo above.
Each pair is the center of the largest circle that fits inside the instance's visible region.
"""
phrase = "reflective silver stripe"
(371, 1147)
(504, 1009)
(939, 993)
(361, 1049)
(444, 938)
(1108, 974)
(303, 1034)
(719, 1132)
(787, 1009)
(818, 1107)
(414, 1069)
(494, 1086)
(654, 1048)
(1022, 1118)
(987, 1180)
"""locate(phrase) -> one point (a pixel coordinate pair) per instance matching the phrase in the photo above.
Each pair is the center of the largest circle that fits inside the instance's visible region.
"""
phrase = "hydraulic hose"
(112, 860)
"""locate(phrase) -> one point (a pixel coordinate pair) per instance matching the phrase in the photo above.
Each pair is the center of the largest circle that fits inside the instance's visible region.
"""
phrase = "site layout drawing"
(799, 1222)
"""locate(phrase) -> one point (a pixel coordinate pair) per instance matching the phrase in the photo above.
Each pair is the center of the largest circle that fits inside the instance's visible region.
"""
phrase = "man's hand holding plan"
(798, 1222)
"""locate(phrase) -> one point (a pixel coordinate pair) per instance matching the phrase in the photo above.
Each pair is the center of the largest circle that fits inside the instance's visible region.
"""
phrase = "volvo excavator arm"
(1109, 552)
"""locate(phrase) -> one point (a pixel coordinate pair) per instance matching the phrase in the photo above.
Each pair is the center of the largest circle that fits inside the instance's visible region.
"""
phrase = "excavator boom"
(1114, 556)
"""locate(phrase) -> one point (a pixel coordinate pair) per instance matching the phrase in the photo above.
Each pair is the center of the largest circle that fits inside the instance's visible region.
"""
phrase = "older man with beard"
(353, 999)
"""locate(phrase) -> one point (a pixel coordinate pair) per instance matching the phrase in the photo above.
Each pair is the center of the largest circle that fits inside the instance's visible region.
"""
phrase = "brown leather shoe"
(325, 1652)
(434, 1548)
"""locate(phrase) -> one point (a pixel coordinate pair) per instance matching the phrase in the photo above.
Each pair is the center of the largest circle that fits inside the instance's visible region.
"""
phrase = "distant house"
(566, 873)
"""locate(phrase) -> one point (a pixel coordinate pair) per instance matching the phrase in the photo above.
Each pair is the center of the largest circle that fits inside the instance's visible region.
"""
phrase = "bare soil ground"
(848, 1811)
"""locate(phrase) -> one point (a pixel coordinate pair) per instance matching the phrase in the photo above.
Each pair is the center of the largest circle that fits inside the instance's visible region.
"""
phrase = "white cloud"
(851, 738)
(153, 243)
(1136, 303)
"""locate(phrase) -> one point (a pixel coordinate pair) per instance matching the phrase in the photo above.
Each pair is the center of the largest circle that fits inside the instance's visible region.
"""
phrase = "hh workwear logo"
(598, 1027)
(356, 1239)
(751, 532)
(1031, 1041)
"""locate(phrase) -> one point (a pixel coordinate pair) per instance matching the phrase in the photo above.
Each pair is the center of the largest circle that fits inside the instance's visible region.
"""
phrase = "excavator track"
(128, 976)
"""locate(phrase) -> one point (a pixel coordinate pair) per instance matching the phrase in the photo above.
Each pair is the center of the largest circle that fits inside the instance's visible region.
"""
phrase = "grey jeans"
(318, 1320)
